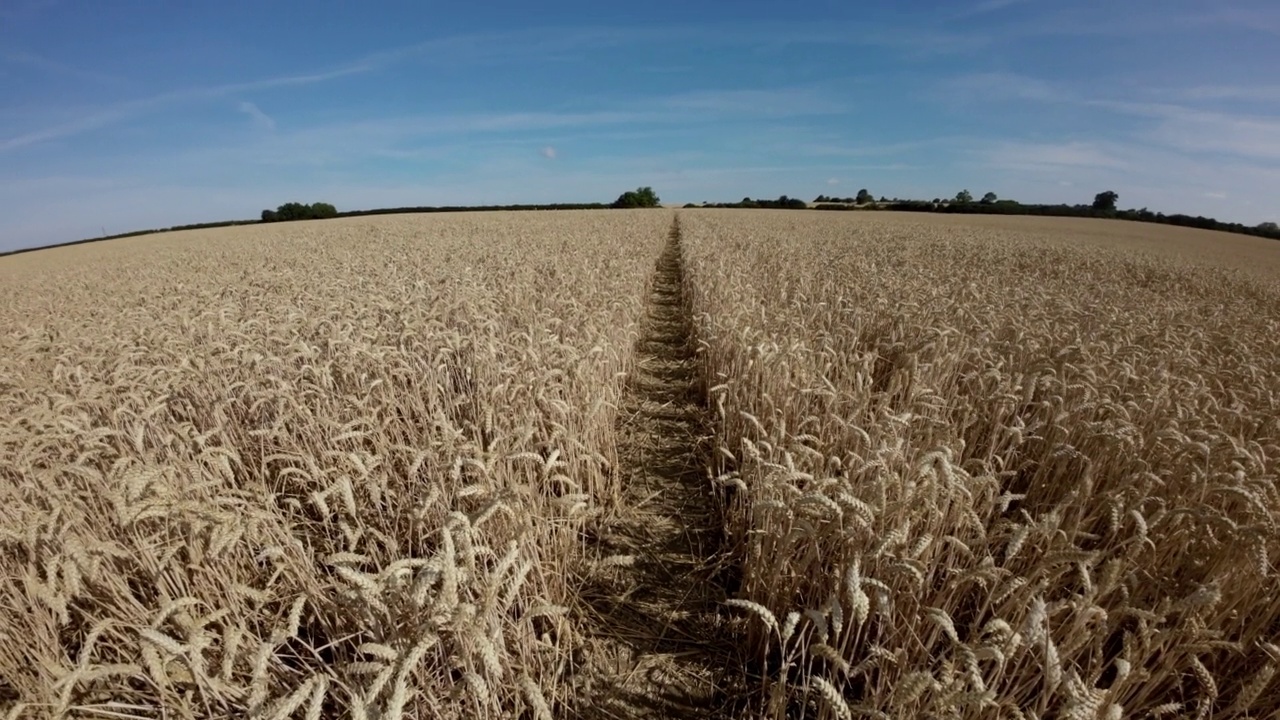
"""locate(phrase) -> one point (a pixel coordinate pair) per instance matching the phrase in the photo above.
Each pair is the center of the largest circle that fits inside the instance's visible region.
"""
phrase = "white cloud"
(544, 42)
(1255, 93)
(833, 181)
(134, 108)
(54, 67)
(259, 118)
(988, 6)
(1052, 156)
(1199, 131)
(1247, 137)
(548, 152)
(1144, 173)
(1201, 141)
(878, 149)
(772, 102)
(984, 87)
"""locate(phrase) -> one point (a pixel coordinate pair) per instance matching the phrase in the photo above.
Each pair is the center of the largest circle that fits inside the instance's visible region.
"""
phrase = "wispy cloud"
(1261, 18)
(985, 87)
(428, 137)
(1198, 131)
(833, 181)
(54, 67)
(876, 150)
(1145, 174)
(1173, 125)
(24, 8)
(766, 102)
(255, 113)
(544, 43)
(133, 108)
(1118, 20)
(1255, 93)
(988, 6)
(1254, 138)
(1052, 156)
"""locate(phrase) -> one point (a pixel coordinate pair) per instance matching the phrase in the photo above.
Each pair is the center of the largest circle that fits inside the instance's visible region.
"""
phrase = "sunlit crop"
(603, 464)
(979, 472)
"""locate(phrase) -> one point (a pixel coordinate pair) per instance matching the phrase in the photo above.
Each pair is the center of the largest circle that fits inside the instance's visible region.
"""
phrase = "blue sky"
(117, 116)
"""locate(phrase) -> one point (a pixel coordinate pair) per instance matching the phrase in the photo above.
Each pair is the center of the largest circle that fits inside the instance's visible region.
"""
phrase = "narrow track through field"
(657, 645)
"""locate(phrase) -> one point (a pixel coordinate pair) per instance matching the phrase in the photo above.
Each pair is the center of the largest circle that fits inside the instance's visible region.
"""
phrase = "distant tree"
(1269, 227)
(884, 199)
(989, 198)
(864, 197)
(1105, 201)
(323, 210)
(964, 196)
(691, 205)
(643, 197)
(937, 201)
(299, 211)
(820, 198)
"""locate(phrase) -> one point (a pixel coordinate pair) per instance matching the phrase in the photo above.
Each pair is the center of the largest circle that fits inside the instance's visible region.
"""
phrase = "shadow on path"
(657, 644)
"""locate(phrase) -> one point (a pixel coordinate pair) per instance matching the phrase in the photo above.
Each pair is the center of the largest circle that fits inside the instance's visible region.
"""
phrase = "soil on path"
(657, 643)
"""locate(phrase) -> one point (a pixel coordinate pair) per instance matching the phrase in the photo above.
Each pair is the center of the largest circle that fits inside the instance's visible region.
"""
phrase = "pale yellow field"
(1259, 256)
(336, 467)
(996, 468)
(965, 467)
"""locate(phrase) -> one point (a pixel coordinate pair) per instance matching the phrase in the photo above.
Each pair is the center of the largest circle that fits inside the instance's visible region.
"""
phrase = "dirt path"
(657, 644)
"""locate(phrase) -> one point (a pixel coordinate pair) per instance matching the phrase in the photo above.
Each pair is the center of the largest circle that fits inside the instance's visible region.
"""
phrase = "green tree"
(293, 211)
(964, 196)
(1105, 201)
(643, 197)
(299, 211)
(322, 210)
(989, 198)
(1269, 227)
(864, 197)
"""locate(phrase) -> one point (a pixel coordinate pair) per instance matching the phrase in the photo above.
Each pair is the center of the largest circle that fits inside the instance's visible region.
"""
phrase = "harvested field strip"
(656, 644)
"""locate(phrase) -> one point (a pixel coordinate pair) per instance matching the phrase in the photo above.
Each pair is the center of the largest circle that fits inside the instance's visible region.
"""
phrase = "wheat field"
(957, 467)
(325, 469)
(988, 470)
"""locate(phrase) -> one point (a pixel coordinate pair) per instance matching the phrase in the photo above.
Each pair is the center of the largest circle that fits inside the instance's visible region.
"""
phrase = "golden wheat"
(967, 467)
(942, 430)
(239, 466)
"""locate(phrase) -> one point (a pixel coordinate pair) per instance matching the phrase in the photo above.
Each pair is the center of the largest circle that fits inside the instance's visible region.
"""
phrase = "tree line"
(643, 197)
(1104, 205)
(299, 211)
(782, 203)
